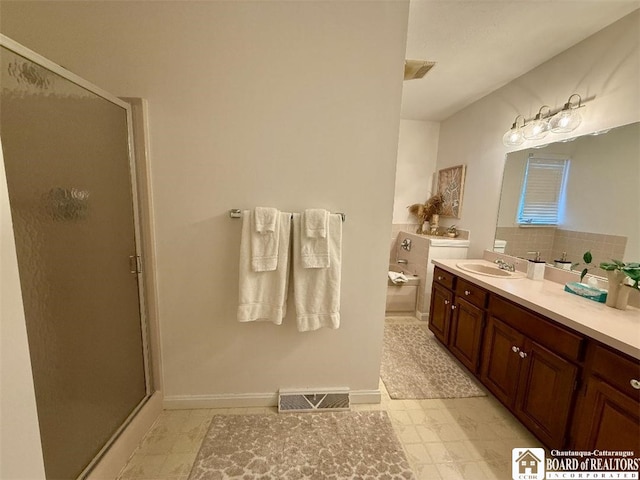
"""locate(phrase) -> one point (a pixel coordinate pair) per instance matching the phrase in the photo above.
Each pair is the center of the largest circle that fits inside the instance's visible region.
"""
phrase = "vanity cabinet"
(440, 313)
(440, 310)
(456, 317)
(570, 390)
(608, 413)
(467, 324)
(528, 364)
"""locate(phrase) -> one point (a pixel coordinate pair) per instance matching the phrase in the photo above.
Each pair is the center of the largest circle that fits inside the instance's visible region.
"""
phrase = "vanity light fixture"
(539, 127)
(563, 121)
(514, 135)
(567, 119)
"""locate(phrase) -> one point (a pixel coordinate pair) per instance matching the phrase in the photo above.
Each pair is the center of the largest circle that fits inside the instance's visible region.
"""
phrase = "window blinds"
(542, 191)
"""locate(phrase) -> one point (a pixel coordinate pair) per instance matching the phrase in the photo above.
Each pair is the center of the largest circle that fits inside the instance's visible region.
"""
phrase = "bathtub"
(401, 298)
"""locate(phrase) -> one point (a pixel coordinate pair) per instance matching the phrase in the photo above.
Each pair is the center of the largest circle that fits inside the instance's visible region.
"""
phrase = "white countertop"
(619, 329)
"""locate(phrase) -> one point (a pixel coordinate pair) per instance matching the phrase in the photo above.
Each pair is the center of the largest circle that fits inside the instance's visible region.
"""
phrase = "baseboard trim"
(239, 400)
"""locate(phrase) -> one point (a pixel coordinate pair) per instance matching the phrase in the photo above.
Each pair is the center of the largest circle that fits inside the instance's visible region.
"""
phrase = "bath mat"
(415, 365)
(329, 445)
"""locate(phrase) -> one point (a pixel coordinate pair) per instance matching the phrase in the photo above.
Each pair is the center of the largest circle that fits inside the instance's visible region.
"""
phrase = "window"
(542, 197)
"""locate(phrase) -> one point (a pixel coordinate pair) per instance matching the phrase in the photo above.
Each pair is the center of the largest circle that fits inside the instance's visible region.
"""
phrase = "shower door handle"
(135, 264)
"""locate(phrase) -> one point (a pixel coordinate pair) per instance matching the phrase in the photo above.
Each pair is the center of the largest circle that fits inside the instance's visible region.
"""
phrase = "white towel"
(315, 239)
(315, 222)
(317, 290)
(263, 295)
(264, 239)
(397, 278)
(265, 219)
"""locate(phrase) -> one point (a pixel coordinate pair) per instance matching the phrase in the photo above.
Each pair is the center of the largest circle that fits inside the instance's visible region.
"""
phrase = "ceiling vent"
(415, 69)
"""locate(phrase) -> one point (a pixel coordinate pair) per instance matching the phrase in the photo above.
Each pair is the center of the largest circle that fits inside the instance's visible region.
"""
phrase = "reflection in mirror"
(598, 204)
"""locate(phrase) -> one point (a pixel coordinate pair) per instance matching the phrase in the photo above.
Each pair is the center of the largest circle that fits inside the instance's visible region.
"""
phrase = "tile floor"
(465, 438)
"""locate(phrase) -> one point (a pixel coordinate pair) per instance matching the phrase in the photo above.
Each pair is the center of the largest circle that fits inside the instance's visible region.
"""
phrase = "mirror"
(599, 209)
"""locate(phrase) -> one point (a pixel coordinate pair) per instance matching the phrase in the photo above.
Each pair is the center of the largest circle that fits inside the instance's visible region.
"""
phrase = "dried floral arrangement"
(424, 211)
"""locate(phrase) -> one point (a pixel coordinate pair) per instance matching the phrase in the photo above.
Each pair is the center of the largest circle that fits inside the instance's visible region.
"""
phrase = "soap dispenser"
(563, 263)
(535, 267)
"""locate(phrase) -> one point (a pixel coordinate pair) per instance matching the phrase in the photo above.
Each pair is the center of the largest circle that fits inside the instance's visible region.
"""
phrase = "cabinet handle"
(635, 383)
(439, 277)
(446, 302)
(522, 355)
(515, 349)
(453, 307)
(467, 292)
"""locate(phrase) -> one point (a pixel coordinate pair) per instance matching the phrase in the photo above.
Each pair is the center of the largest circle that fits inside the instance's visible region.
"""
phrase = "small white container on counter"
(535, 268)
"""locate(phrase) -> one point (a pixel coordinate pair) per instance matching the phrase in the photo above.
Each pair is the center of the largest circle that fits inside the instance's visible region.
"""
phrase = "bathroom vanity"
(566, 367)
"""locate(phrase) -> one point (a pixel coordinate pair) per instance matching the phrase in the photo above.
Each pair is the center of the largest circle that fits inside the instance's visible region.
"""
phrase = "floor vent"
(310, 401)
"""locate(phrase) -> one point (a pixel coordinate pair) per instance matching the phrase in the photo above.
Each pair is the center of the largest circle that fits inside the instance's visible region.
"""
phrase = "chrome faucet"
(502, 265)
(406, 244)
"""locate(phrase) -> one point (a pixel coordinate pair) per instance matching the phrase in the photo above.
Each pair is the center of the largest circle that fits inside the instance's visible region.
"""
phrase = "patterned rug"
(415, 365)
(322, 446)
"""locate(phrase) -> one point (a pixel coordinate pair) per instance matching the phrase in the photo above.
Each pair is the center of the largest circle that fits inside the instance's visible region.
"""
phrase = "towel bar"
(237, 213)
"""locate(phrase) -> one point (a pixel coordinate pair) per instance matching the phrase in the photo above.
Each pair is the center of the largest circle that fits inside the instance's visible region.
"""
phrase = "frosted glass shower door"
(66, 152)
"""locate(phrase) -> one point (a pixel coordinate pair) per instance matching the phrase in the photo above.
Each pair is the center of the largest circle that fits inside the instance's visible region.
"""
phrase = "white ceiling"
(481, 45)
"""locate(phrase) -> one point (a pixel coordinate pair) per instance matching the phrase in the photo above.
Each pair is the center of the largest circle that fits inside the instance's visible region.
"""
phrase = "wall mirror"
(598, 199)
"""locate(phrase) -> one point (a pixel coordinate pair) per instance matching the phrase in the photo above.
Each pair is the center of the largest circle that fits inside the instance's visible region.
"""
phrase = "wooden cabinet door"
(607, 419)
(500, 360)
(465, 334)
(545, 393)
(440, 312)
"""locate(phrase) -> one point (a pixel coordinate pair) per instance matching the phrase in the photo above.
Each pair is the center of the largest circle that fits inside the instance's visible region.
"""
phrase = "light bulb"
(565, 121)
(536, 130)
(539, 127)
(568, 119)
(514, 137)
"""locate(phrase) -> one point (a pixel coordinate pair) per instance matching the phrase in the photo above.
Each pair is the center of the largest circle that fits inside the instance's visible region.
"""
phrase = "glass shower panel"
(68, 173)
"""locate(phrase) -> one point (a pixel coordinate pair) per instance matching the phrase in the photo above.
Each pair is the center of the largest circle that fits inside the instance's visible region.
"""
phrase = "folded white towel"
(315, 222)
(317, 290)
(263, 295)
(264, 239)
(265, 219)
(397, 278)
(314, 239)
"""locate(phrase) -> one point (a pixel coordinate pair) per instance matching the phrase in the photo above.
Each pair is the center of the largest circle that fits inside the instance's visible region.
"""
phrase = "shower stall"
(67, 149)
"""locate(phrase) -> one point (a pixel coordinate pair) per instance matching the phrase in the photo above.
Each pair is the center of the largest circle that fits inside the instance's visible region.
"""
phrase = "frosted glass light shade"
(565, 121)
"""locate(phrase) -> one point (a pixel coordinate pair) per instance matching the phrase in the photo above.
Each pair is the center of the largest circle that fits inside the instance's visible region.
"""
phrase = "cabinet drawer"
(616, 369)
(471, 293)
(444, 278)
(556, 338)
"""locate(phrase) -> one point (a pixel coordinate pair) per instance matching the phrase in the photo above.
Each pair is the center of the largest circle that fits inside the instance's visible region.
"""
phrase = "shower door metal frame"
(23, 51)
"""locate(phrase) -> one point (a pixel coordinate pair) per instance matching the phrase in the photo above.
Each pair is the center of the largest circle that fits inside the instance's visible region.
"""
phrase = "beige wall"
(20, 449)
(604, 69)
(285, 104)
(417, 155)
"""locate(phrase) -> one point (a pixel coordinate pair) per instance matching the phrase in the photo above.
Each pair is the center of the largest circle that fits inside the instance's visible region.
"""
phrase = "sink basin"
(488, 270)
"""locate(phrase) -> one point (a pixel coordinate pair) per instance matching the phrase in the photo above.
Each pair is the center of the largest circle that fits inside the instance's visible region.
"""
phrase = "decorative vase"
(623, 297)
(615, 279)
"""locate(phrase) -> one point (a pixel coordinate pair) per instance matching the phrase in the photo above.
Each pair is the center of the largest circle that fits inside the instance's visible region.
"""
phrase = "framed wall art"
(451, 187)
